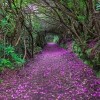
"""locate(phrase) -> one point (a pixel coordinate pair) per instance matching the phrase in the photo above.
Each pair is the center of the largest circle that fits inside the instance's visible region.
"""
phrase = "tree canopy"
(24, 25)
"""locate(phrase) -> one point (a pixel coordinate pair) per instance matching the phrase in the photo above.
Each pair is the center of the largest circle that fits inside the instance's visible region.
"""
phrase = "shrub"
(86, 56)
(9, 58)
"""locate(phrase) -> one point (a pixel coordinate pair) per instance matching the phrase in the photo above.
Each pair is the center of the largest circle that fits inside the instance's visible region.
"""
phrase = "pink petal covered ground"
(54, 74)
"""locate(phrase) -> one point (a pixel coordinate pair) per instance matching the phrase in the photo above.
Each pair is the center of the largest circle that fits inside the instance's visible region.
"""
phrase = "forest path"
(55, 74)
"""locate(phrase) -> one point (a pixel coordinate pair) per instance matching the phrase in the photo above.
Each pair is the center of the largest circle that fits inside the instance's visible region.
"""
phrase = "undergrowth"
(9, 58)
(85, 55)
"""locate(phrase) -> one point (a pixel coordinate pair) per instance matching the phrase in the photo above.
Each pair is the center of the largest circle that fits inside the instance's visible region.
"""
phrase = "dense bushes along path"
(55, 74)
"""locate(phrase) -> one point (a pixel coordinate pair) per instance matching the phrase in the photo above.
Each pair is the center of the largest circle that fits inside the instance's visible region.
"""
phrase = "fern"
(12, 59)
(98, 6)
(9, 50)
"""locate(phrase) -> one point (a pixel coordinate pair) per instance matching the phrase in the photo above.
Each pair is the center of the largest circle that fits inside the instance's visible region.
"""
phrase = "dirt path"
(55, 74)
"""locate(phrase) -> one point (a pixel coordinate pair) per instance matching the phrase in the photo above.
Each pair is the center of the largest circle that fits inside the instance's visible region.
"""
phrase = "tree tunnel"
(49, 49)
(27, 25)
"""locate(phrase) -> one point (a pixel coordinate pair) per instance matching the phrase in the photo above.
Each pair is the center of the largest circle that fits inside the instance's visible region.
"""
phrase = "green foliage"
(5, 63)
(81, 18)
(52, 38)
(56, 39)
(37, 26)
(3, 22)
(26, 2)
(17, 59)
(98, 74)
(82, 4)
(37, 49)
(13, 24)
(84, 56)
(9, 59)
(98, 6)
(88, 51)
(63, 46)
(7, 24)
(13, 21)
(49, 38)
(9, 50)
(70, 4)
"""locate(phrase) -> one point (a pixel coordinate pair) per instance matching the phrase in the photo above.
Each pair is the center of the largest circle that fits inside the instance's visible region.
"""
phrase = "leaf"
(98, 74)
(81, 18)
(88, 51)
(82, 4)
(9, 50)
(98, 6)
(1, 12)
(5, 63)
(20, 61)
(3, 22)
(70, 4)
